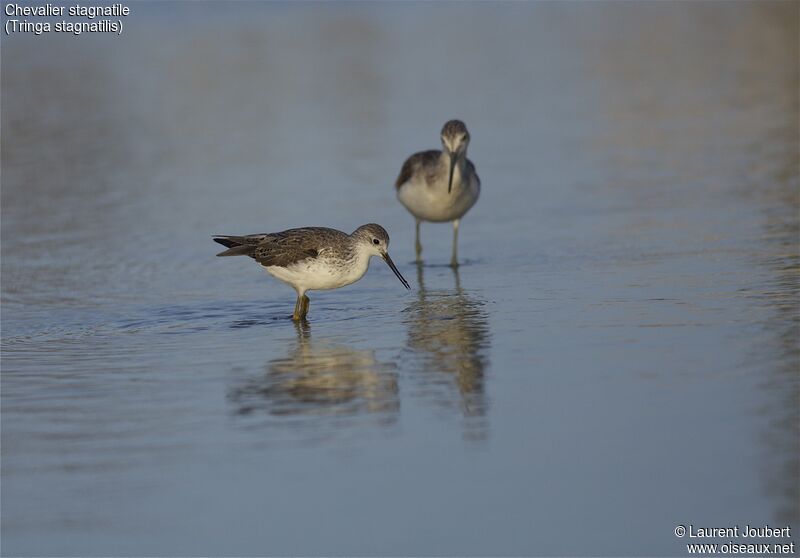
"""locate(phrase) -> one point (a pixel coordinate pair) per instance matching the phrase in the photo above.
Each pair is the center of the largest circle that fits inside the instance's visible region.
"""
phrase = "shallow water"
(617, 355)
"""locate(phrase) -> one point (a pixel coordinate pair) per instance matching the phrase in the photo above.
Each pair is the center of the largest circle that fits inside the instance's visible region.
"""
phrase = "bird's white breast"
(319, 274)
(432, 202)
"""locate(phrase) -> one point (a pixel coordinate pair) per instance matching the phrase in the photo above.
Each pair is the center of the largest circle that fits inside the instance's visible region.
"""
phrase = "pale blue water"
(618, 354)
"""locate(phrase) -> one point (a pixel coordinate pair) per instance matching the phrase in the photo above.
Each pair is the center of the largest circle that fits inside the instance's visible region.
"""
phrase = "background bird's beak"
(390, 263)
(453, 159)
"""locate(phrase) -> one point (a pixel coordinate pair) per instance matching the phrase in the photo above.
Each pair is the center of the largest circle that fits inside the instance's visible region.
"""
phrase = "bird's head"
(375, 241)
(455, 140)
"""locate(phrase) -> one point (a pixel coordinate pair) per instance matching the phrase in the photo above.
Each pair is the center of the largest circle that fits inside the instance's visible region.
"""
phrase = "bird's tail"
(236, 246)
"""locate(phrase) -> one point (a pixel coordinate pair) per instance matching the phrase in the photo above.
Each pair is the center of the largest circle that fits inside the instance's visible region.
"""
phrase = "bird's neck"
(461, 161)
(360, 258)
(459, 171)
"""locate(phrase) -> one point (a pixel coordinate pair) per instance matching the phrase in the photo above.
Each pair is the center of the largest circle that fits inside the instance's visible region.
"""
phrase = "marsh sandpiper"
(314, 258)
(440, 186)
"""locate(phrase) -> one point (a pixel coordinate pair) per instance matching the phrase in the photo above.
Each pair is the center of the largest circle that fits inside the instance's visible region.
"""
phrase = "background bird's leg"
(304, 304)
(417, 245)
(454, 259)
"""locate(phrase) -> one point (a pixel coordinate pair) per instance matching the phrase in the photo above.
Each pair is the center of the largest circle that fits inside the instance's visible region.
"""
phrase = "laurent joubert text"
(90, 19)
(751, 539)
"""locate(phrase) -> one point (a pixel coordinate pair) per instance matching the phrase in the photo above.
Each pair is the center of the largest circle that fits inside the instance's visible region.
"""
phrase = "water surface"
(617, 355)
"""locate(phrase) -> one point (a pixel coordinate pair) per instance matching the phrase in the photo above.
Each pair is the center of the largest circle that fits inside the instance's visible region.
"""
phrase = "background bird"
(440, 186)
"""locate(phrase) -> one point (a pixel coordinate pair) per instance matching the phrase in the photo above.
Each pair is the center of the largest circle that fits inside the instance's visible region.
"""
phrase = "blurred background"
(617, 355)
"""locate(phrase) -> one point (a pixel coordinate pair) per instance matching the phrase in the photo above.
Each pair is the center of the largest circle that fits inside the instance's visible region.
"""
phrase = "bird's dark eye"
(376, 241)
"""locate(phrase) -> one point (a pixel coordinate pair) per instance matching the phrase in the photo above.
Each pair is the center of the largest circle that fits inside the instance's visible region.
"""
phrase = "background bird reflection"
(448, 338)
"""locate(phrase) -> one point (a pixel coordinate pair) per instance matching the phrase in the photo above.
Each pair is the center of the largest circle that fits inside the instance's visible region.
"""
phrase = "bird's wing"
(423, 158)
(247, 240)
(471, 168)
(292, 246)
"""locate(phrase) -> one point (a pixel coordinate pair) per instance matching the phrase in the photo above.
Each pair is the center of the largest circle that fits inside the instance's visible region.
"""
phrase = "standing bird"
(314, 258)
(440, 186)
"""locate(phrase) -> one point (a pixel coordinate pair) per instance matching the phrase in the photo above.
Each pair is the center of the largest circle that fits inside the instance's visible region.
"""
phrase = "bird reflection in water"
(448, 331)
(318, 383)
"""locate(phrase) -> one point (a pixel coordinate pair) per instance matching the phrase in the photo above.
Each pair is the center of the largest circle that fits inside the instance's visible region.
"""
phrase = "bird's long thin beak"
(390, 263)
(453, 159)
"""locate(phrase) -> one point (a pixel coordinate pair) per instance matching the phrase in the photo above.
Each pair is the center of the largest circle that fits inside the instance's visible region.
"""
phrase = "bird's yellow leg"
(454, 259)
(296, 316)
(304, 304)
(418, 245)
